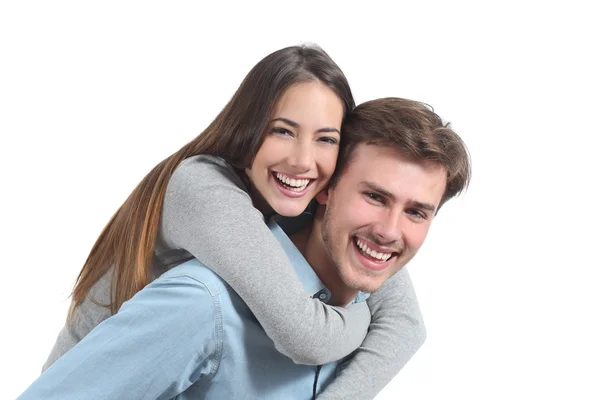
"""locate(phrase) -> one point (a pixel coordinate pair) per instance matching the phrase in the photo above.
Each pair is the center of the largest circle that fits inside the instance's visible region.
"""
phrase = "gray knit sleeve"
(212, 217)
(90, 313)
(396, 333)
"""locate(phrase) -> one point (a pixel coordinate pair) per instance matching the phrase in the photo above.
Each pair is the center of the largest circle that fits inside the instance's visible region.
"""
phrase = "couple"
(211, 299)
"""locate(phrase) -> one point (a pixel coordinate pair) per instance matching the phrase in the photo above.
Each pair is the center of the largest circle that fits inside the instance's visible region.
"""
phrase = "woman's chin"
(290, 209)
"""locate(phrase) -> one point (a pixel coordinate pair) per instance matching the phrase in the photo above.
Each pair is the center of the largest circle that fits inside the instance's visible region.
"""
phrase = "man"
(398, 164)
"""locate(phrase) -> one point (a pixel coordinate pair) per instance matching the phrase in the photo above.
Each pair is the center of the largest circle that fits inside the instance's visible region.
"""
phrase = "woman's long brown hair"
(127, 242)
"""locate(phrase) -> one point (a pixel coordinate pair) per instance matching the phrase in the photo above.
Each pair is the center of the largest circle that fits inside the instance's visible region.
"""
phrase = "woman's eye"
(282, 131)
(328, 139)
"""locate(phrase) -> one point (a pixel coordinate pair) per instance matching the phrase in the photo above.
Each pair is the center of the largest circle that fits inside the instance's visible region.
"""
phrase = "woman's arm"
(88, 315)
(159, 343)
(208, 213)
(395, 334)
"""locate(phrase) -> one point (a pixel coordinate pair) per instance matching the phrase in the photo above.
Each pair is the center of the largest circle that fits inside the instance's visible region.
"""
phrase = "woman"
(210, 200)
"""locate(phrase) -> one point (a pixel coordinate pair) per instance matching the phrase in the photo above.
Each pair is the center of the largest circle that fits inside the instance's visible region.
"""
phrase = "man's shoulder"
(195, 272)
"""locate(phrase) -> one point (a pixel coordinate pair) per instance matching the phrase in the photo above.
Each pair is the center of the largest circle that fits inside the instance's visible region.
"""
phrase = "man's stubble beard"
(328, 234)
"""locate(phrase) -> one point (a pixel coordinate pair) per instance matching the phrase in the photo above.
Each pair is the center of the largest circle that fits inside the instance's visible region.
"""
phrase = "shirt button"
(322, 296)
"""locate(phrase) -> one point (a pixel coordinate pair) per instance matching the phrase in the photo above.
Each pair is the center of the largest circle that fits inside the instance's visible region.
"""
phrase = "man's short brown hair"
(411, 127)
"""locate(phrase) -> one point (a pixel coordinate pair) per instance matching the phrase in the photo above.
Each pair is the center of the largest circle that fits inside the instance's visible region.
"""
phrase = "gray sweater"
(208, 214)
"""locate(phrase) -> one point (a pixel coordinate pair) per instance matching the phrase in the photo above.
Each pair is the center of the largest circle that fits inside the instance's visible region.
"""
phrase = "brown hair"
(127, 242)
(413, 128)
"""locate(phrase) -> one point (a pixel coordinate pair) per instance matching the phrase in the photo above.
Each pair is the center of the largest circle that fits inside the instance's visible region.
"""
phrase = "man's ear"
(323, 196)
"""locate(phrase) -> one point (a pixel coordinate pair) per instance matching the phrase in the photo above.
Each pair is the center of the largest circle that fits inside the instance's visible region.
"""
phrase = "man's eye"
(375, 197)
(417, 214)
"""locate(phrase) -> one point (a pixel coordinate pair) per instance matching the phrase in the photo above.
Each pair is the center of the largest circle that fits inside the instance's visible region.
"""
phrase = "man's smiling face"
(378, 214)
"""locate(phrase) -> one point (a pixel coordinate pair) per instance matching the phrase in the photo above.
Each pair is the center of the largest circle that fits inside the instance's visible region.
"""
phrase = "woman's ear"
(323, 196)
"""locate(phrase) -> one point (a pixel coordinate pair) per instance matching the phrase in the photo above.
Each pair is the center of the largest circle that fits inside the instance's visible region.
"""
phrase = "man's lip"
(374, 246)
(370, 264)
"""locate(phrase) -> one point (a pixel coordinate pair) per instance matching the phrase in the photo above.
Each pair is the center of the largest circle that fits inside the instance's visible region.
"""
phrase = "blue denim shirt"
(187, 335)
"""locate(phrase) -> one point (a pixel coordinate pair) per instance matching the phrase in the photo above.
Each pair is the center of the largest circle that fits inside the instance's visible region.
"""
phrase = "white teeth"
(372, 253)
(298, 184)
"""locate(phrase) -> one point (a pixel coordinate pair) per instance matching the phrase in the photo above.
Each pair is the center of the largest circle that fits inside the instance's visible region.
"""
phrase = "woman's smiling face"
(300, 149)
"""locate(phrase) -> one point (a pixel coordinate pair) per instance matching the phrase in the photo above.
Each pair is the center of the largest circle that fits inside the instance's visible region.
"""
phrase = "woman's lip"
(290, 193)
(368, 263)
(291, 176)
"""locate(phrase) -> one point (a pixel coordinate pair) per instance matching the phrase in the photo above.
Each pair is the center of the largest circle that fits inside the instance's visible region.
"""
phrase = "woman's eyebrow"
(294, 124)
(287, 121)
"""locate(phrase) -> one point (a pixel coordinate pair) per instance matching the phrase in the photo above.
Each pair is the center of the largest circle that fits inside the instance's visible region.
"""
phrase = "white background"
(94, 94)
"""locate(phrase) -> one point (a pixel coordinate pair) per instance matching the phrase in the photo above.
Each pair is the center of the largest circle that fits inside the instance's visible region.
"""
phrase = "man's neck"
(310, 244)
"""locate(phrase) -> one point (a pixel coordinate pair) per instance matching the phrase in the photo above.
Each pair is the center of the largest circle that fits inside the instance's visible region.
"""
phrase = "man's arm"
(159, 343)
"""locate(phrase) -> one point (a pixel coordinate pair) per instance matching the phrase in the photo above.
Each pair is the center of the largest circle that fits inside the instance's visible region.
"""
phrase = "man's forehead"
(370, 158)
(389, 168)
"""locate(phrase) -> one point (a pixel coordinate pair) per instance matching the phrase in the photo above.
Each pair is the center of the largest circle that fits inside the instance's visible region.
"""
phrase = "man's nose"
(389, 229)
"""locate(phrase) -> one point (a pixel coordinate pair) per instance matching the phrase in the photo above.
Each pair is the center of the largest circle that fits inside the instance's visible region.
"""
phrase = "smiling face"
(377, 216)
(300, 149)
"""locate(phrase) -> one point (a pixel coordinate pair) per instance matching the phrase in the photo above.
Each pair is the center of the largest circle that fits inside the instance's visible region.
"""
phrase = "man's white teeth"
(372, 253)
(297, 185)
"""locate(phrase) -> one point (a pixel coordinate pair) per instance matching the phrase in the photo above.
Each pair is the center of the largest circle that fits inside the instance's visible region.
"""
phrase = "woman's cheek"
(329, 161)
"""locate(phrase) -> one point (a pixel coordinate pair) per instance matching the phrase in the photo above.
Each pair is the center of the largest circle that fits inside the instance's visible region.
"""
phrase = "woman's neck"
(258, 201)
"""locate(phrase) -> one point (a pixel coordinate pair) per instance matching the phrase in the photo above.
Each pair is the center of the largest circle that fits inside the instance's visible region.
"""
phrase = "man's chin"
(371, 288)
(365, 284)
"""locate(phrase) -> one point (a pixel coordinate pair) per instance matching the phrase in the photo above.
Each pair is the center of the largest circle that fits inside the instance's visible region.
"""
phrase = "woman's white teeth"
(296, 184)
(380, 256)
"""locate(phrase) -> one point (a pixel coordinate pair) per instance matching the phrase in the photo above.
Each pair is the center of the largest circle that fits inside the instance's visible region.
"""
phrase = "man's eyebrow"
(294, 124)
(424, 206)
(376, 188)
